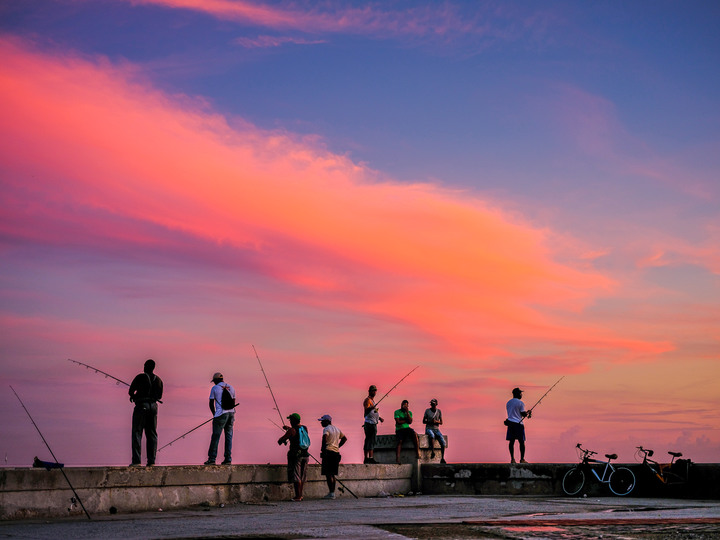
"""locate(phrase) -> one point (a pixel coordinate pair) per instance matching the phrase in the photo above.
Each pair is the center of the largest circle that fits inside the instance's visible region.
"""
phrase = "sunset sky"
(502, 193)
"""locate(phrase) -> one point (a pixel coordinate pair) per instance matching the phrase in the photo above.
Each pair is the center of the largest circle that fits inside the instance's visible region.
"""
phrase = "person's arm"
(212, 406)
(286, 437)
(133, 389)
(409, 417)
(438, 421)
(368, 406)
(425, 418)
(343, 440)
(324, 443)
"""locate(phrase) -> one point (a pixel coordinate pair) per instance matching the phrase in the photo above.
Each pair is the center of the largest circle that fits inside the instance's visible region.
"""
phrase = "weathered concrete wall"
(546, 479)
(28, 492)
(386, 447)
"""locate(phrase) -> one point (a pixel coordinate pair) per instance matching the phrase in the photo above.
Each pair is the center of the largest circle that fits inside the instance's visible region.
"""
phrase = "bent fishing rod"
(60, 466)
(96, 370)
(277, 408)
(541, 397)
(284, 427)
(396, 385)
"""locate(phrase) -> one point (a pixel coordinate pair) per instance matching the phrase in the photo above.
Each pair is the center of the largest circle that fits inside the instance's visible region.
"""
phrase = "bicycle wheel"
(622, 481)
(573, 481)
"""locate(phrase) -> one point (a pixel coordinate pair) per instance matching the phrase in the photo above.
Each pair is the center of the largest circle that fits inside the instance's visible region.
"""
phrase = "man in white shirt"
(515, 428)
(223, 419)
(332, 440)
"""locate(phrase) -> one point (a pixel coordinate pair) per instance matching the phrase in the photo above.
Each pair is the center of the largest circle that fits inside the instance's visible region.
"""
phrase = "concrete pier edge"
(37, 493)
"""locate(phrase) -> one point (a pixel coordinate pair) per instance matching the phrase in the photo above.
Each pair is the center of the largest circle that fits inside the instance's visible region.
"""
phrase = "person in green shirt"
(403, 431)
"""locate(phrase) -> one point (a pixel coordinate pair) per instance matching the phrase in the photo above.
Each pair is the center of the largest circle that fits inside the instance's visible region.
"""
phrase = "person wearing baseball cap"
(297, 455)
(332, 440)
(515, 428)
(222, 407)
(433, 420)
(372, 417)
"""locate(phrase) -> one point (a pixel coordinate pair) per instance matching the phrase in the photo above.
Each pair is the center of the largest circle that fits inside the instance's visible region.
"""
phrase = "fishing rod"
(545, 394)
(96, 370)
(284, 427)
(396, 384)
(62, 470)
(277, 408)
(186, 433)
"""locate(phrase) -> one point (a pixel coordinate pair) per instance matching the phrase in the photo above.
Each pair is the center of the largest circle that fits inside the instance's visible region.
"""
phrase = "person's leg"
(416, 443)
(398, 447)
(443, 444)
(228, 437)
(431, 441)
(521, 444)
(136, 434)
(151, 436)
(512, 451)
(217, 428)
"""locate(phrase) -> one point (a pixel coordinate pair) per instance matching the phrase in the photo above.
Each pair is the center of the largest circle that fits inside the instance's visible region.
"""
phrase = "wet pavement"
(431, 516)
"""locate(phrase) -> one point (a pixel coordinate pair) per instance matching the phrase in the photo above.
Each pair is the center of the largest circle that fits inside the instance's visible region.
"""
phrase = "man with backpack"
(222, 407)
(146, 391)
(298, 455)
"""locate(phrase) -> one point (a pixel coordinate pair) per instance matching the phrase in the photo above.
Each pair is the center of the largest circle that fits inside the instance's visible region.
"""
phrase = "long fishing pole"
(396, 385)
(277, 408)
(541, 397)
(186, 433)
(62, 470)
(96, 370)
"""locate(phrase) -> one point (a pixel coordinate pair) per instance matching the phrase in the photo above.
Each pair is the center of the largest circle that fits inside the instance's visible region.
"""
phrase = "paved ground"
(402, 517)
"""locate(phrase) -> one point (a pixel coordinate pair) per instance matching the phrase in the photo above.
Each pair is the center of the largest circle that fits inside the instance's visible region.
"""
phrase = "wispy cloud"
(264, 42)
(441, 22)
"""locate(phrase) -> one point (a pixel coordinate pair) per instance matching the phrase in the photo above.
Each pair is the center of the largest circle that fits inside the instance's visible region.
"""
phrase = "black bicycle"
(675, 472)
(620, 480)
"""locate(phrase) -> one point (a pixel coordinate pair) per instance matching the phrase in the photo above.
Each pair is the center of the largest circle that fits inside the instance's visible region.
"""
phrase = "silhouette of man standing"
(145, 391)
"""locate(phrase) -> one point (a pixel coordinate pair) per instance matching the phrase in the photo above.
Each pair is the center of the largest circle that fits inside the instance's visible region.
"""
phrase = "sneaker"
(150, 465)
(135, 465)
(523, 461)
(443, 461)
(330, 495)
(372, 461)
(209, 462)
(296, 499)
(366, 461)
(512, 461)
(226, 462)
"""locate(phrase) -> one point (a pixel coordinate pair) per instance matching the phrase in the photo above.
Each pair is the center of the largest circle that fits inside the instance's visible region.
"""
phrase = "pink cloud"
(262, 42)
(438, 21)
(107, 156)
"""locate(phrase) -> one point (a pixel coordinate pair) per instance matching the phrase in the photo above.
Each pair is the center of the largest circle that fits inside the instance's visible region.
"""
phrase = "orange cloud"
(100, 149)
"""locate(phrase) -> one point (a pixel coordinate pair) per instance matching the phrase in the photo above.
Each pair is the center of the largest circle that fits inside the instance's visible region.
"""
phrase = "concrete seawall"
(34, 493)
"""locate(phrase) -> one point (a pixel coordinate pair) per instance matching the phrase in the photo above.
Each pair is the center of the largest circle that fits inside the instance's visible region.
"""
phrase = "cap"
(217, 376)
(372, 387)
(294, 416)
(325, 417)
(433, 401)
(517, 391)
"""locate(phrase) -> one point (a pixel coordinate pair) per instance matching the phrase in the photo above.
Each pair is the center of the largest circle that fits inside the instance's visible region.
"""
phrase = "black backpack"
(227, 402)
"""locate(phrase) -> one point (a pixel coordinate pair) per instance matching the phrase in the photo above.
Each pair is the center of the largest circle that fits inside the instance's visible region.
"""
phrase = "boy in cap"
(332, 440)
(223, 420)
(515, 428)
(433, 420)
(297, 456)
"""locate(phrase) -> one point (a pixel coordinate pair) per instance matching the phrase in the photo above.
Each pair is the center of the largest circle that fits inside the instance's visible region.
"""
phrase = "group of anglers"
(146, 391)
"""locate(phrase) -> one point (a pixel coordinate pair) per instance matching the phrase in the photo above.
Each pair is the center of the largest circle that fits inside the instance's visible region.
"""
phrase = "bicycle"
(620, 480)
(675, 472)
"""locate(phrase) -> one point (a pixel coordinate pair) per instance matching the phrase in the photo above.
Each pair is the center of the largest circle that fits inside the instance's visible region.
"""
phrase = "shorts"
(297, 468)
(434, 433)
(370, 436)
(330, 463)
(404, 434)
(515, 432)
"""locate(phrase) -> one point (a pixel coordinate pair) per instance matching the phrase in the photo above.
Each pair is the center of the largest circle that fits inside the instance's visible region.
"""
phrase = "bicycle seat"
(611, 456)
(675, 454)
